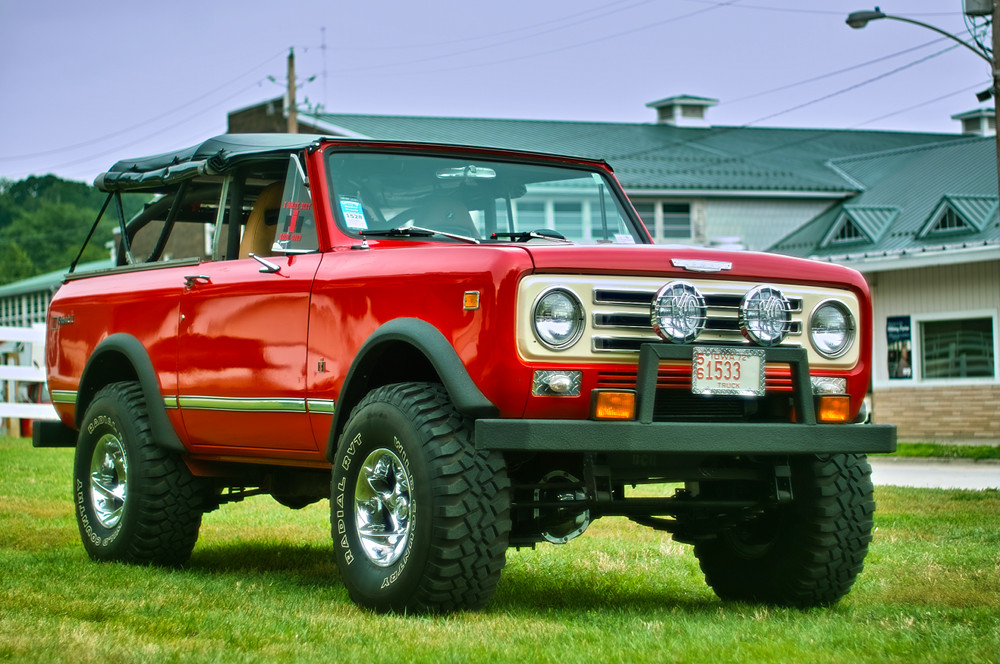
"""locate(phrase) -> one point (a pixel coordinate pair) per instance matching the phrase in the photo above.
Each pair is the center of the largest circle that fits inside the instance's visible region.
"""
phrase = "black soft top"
(222, 153)
(214, 156)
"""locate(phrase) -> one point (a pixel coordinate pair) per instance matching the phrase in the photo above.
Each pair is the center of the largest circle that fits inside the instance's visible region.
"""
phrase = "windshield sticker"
(293, 232)
(354, 214)
(624, 238)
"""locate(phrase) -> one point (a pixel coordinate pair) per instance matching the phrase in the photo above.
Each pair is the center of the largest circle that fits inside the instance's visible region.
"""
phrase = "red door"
(242, 355)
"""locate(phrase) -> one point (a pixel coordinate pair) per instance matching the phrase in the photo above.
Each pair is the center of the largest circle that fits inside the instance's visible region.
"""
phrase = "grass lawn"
(932, 450)
(262, 587)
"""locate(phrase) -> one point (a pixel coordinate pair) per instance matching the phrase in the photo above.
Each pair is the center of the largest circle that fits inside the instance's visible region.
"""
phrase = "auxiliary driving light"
(679, 312)
(765, 316)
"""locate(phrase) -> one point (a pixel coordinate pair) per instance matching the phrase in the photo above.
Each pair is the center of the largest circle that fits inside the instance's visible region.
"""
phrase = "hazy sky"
(83, 84)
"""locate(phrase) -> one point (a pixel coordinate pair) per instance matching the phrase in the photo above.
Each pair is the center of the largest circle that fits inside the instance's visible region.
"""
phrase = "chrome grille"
(621, 319)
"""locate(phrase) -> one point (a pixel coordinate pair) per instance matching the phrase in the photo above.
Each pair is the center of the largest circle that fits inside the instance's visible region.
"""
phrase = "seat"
(447, 214)
(258, 236)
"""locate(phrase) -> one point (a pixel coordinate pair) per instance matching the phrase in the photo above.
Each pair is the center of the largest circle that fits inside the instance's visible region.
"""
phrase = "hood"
(671, 261)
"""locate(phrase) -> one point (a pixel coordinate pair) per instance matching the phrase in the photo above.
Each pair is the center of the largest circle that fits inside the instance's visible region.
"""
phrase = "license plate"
(728, 371)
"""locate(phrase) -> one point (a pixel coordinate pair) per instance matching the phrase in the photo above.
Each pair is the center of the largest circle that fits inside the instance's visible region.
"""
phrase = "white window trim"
(657, 230)
(916, 351)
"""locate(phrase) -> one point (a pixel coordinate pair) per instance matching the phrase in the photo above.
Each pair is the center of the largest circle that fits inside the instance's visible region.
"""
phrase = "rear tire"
(804, 554)
(135, 502)
(420, 518)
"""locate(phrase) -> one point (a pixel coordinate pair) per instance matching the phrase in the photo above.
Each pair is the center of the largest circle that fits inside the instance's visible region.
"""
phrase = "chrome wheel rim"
(108, 480)
(382, 507)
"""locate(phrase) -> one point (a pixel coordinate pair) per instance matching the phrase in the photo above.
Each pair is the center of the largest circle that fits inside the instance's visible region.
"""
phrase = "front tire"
(135, 502)
(804, 554)
(420, 519)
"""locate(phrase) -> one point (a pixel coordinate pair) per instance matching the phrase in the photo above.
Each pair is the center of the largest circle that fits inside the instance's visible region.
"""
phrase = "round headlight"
(831, 329)
(765, 316)
(678, 313)
(558, 318)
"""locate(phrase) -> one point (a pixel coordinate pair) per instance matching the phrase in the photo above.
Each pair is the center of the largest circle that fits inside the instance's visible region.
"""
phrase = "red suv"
(464, 350)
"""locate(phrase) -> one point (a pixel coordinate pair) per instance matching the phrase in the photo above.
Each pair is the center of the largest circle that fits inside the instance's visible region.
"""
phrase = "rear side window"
(154, 236)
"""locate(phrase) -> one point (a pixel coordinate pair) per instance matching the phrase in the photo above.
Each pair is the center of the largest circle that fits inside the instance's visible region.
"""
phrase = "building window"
(647, 212)
(667, 221)
(529, 214)
(957, 348)
(568, 220)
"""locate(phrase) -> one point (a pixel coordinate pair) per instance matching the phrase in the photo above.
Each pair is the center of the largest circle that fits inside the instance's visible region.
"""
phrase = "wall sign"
(898, 335)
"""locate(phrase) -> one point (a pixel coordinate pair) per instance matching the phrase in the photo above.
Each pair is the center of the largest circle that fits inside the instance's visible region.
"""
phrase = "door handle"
(192, 279)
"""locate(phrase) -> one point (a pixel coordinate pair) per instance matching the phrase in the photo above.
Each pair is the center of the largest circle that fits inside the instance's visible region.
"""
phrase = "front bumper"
(722, 438)
(683, 437)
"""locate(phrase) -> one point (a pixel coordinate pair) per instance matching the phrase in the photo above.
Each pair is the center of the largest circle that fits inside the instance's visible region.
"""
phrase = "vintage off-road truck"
(463, 350)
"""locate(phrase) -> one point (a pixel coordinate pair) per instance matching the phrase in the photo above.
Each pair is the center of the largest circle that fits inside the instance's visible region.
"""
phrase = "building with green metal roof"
(23, 303)
(691, 182)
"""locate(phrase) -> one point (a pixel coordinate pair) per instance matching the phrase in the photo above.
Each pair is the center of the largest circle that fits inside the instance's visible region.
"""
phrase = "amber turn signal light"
(613, 405)
(470, 301)
(833, 408)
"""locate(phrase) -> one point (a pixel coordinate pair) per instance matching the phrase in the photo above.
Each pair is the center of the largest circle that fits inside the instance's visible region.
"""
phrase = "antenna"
(322, 48)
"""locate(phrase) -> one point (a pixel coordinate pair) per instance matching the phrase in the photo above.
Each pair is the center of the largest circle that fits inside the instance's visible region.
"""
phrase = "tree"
(51, 234)
(35, 190)
(43, 222)
(15, 264)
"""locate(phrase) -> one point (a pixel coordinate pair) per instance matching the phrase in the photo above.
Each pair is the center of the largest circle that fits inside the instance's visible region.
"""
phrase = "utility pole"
(994, 62)
(293, 119)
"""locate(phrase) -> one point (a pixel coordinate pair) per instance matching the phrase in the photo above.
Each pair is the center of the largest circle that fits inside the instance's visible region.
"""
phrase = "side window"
(174, 224)
(296, 227)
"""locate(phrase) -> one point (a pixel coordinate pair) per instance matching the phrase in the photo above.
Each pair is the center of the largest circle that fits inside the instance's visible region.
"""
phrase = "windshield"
(453, 199)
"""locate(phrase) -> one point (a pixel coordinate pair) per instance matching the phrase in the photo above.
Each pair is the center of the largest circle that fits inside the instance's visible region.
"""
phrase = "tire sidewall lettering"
(99, 537)
(102, 420)
(371, 576)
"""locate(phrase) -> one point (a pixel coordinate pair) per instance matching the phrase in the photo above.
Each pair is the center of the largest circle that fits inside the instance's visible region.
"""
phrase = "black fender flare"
(425, 339)
(123, 357)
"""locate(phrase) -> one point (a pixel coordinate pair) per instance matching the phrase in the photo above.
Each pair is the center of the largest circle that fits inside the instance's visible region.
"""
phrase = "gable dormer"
(859, 225)
(958, 214)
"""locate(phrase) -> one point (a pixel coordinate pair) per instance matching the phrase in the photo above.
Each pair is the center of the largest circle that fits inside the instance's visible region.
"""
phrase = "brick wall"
(267, 118)
(967, 413)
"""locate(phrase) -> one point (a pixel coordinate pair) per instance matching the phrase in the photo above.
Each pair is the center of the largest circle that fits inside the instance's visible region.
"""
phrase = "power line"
(922, 104)
(799, 10)
(837, 72)
(589, 42)
(856, 85)
(479, 38)
(146, 137)
(813, 135)
(145, 123)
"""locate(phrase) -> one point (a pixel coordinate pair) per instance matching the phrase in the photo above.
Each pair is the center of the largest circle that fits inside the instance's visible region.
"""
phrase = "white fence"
(22, 367)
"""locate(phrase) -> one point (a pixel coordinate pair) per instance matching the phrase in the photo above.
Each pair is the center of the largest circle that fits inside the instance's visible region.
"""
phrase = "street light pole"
(858, 20)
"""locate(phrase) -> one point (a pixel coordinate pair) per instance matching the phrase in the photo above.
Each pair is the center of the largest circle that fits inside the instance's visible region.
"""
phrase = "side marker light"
(470, 301)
